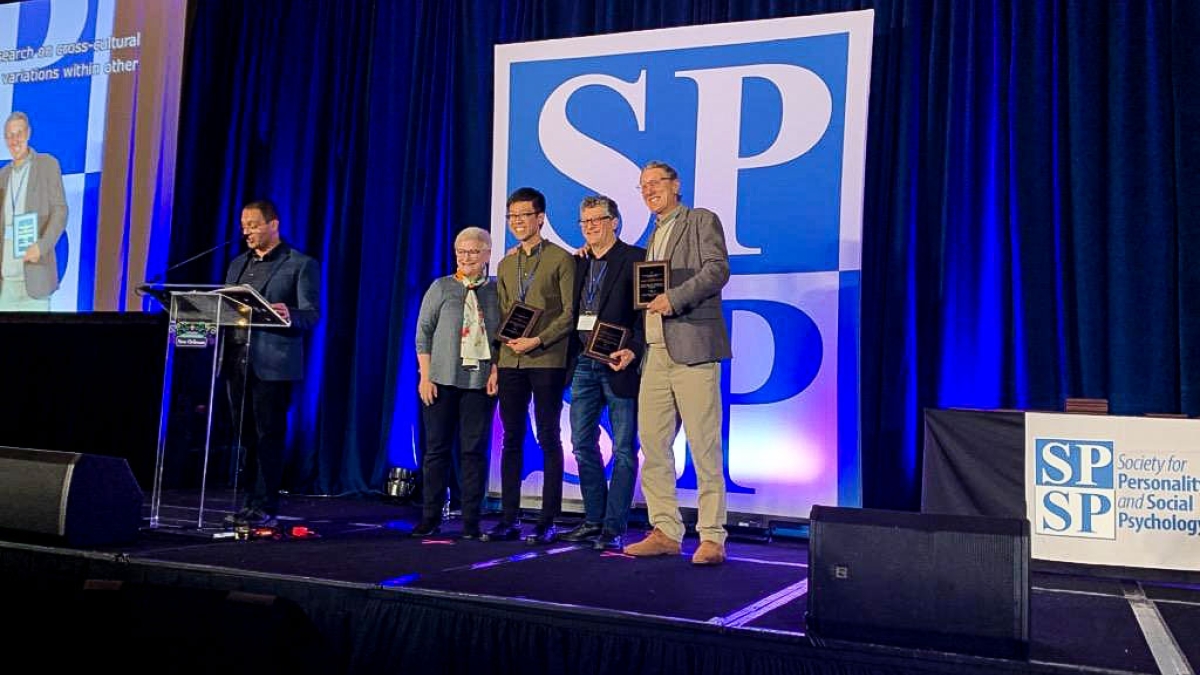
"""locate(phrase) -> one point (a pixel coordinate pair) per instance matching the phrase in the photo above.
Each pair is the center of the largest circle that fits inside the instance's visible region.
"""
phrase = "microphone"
(145, 285)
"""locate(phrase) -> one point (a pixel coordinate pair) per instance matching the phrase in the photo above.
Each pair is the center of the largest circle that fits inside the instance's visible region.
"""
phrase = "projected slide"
(89, 92)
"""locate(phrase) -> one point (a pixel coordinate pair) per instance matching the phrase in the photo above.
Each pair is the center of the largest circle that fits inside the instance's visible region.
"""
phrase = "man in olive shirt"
(541, 275)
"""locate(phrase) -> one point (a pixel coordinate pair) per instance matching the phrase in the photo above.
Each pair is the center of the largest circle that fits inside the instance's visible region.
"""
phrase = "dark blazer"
(699, 267)
(43, 194)
(295, 280)
(616, 307)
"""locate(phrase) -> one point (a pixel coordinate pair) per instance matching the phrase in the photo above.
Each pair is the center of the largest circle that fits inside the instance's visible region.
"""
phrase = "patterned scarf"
(473, 345)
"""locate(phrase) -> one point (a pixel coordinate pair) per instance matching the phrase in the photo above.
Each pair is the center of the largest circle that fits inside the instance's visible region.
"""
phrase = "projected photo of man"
(35, 215)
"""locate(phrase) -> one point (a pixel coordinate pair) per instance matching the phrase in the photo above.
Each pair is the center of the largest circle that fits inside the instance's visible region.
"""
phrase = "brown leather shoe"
(655, 543)
(709, 553)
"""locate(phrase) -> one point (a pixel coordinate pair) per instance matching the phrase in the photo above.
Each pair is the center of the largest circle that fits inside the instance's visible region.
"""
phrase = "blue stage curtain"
(1030, 227)
(274, 106)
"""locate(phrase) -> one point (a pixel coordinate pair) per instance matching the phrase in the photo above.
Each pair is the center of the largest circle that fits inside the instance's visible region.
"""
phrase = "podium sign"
(200, 456)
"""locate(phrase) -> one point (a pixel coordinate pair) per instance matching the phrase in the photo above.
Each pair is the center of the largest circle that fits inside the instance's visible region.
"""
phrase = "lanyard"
(523, 281)
(596, 270)
(24, 179)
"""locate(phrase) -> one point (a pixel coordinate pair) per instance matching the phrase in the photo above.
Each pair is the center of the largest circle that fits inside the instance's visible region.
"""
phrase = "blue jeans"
(606, 503)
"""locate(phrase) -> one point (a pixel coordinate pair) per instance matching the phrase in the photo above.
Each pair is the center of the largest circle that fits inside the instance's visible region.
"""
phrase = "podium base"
(190, 530)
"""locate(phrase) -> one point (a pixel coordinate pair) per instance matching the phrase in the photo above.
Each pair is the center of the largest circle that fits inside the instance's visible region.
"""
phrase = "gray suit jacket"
(699, 262)
(295, 280)
(44, 194)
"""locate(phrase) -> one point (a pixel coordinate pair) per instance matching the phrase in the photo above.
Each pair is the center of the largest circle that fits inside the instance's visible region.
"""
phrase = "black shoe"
(471, 533)
(608, 541)
(502, 532)
(584, 531)
(238, 518)
(542, 534)
(260, 518)
(426, 528)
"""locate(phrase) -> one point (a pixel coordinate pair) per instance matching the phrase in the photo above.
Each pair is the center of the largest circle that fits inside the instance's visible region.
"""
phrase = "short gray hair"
(655, 164)
(18, 115)
(609, 204)
(473, 233)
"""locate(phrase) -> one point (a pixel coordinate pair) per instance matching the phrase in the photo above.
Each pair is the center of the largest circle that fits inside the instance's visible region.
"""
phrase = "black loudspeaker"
(85, 500)
(950, 583)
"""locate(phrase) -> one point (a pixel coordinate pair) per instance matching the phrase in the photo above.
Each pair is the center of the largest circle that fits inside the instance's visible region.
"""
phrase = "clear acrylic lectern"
(200, 452)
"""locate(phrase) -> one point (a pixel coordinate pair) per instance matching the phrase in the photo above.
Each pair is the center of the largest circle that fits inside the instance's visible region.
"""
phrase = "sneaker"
(655, 543)
(709, 553)
(607, 541)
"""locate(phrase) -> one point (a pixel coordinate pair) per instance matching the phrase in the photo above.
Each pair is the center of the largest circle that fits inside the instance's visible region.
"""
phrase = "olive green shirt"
(552, 290)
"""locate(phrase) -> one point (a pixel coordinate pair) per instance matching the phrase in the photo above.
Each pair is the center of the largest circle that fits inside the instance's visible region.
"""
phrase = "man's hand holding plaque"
(624, 357)
(650, 280)
(607, 339)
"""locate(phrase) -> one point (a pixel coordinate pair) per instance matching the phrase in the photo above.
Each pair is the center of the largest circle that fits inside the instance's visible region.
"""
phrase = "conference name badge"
(24, 233)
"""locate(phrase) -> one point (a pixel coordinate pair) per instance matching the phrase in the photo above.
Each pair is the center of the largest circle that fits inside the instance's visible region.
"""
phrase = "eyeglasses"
(520, 216)
(468, 251)
(588, 222)
(653, 183)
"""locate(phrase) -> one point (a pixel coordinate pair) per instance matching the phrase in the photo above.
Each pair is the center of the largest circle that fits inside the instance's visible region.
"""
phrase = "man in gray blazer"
(686, 339)
(274, 359)
(30, 186)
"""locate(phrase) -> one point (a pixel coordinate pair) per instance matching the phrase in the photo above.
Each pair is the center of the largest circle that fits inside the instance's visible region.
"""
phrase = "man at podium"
(274, 358)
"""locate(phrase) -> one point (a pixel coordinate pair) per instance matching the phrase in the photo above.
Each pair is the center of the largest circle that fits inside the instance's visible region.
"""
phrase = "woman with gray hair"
(456, 333)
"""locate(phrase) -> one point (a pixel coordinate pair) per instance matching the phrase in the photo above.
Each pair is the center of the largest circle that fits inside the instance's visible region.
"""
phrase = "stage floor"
(1079, 623)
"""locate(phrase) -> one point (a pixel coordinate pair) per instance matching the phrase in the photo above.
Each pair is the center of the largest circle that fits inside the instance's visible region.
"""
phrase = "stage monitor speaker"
(949, 583)
(84, 500)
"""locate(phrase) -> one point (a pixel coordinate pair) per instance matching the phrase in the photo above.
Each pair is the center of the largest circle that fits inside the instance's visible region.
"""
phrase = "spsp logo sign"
(766, 123)
(1074, 488)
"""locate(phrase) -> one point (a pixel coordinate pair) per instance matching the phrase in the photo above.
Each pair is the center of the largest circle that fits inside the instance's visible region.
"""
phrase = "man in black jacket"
(274, 359)
(604, 295)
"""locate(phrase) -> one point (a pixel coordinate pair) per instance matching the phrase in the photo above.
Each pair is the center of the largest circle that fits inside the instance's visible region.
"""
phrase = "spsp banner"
(766, 123)
(1118, 491)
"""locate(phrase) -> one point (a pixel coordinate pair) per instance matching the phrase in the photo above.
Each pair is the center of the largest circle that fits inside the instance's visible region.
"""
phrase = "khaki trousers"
(669, 392)
(13, 298)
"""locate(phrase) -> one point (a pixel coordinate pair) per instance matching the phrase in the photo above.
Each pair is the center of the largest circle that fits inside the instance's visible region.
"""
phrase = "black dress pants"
(545, 387)
(264, 409)
(467, 412)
